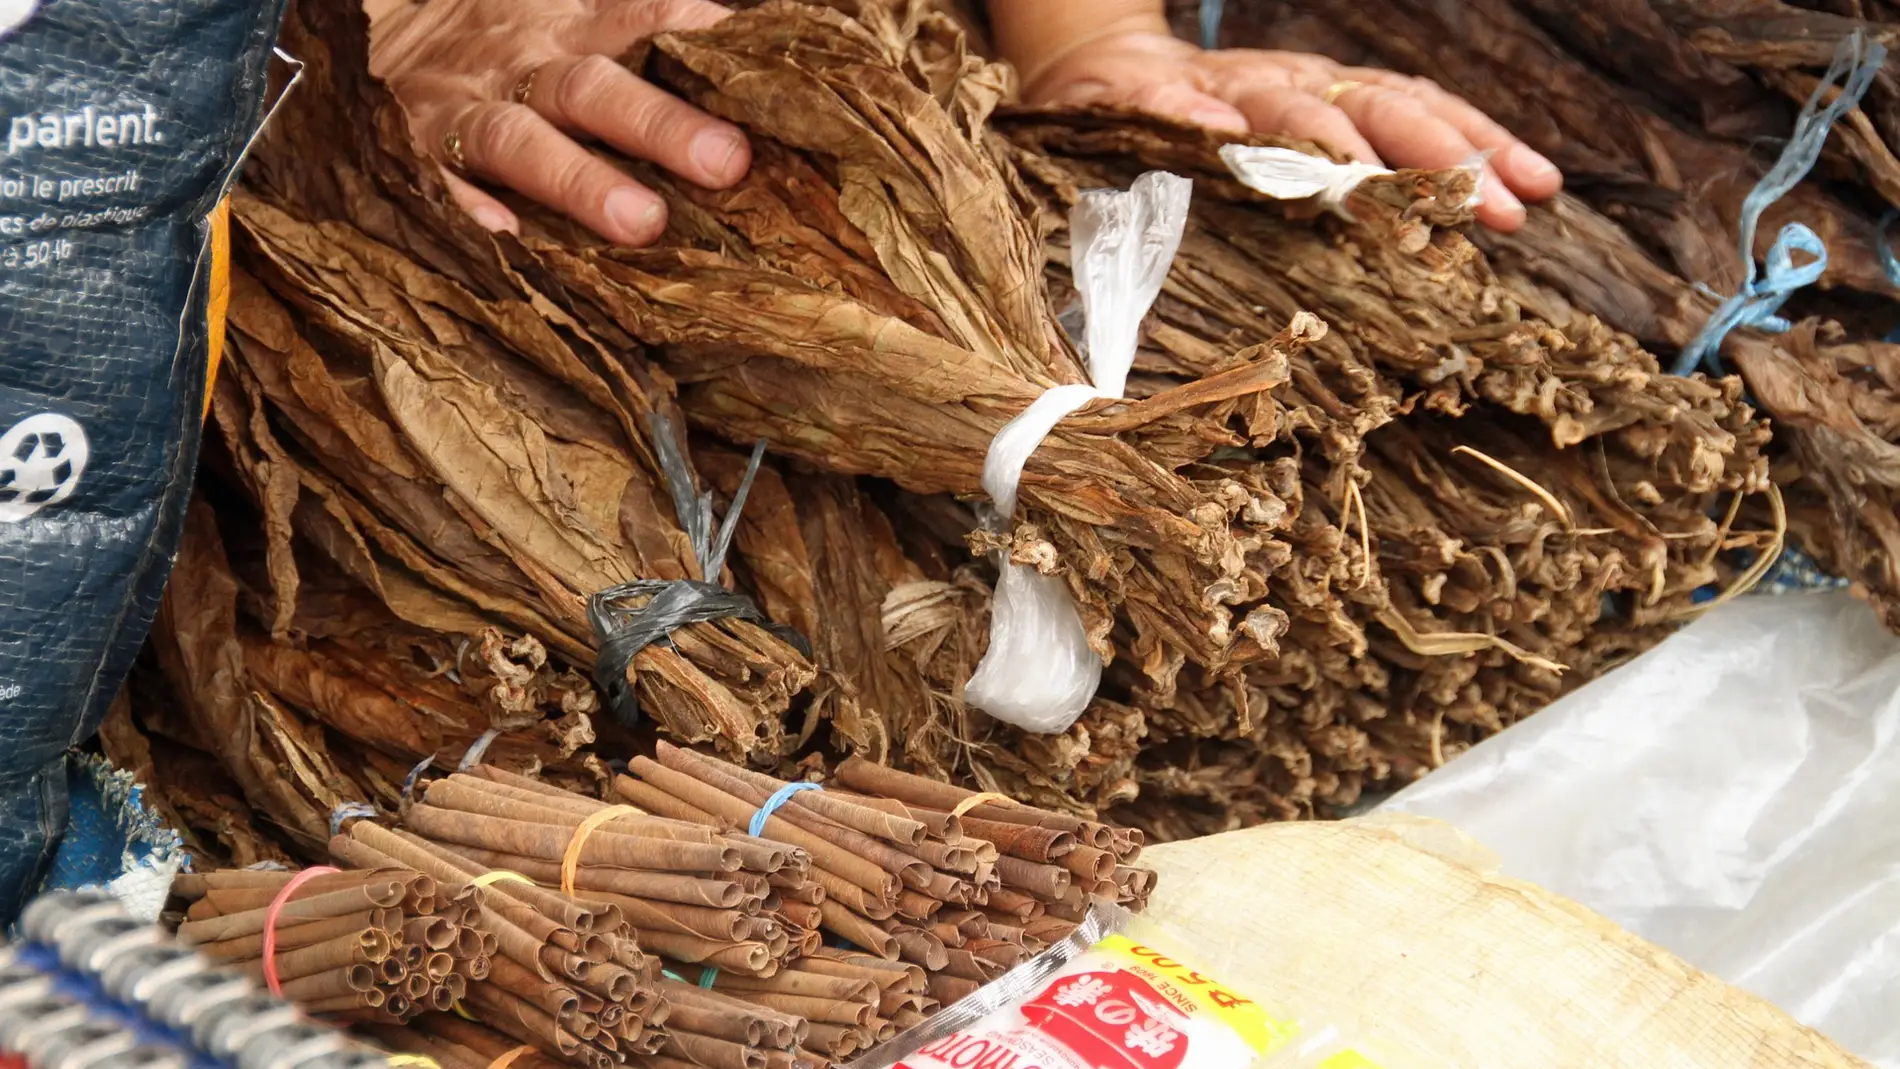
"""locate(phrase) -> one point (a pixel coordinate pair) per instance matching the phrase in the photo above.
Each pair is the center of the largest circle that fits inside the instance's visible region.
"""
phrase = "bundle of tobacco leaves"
(1366, 501)
(1665, 114)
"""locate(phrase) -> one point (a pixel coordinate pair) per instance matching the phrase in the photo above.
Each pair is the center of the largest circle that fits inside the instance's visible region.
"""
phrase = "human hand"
(1372, 116)
(504, 90)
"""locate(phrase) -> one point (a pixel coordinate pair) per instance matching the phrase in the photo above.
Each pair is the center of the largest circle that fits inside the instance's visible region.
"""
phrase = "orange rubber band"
(975, 800)
(507, 1058)
(571, 860)
(270, 922)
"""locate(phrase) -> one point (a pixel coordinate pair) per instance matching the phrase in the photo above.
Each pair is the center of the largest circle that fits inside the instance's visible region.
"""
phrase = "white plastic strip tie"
(1288, 174)
(1040, 672)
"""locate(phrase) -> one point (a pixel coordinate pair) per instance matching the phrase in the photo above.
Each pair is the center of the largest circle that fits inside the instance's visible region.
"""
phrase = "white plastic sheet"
(1734, 795)
(1039, 672)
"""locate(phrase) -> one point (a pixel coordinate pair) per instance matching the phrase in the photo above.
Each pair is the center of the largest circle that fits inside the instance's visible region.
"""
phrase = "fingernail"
(713, 151)
(1216, 119)
(1532, 162)
(494, 219)
(639, 216)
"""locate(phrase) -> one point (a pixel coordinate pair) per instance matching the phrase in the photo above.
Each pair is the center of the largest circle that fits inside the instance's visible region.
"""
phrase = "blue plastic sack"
(124, 123)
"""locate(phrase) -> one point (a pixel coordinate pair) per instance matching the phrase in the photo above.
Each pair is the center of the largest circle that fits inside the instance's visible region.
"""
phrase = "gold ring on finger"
(1339, 89)
(524, 87)
(452, 150)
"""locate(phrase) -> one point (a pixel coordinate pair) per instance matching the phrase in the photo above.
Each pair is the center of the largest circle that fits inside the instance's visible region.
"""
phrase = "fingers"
(1523, 168)
(621, 23)
(1292, 113)
(484, 209)
(1177, 100)
(510, 144)
(594, 94)
(1408, 133)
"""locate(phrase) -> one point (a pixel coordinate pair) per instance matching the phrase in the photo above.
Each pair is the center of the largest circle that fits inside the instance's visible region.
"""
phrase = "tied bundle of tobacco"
(384, 942)
(1495, 489)
(1667, 115)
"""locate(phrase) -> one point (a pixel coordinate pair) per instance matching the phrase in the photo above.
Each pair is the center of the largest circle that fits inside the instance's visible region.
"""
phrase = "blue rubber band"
(671, 975)
(707, 977)
(772, 804)
(359, 810)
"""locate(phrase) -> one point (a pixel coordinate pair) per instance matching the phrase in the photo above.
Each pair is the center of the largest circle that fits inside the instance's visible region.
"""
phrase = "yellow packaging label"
(1200, 995)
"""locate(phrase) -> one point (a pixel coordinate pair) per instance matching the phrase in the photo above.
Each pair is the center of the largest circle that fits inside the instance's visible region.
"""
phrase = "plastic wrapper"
(1118, 993)
(1729, 795)
(1040, 671)
(1289, 174)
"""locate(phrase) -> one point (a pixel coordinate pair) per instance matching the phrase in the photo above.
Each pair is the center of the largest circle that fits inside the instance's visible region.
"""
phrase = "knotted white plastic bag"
(1288, 174)
(1040, 673)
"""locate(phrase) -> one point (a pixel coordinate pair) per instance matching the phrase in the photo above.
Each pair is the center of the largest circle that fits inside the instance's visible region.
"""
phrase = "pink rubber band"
(270, 922)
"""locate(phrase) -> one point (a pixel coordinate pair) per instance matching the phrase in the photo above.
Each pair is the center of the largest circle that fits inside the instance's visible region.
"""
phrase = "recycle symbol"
(41, 460)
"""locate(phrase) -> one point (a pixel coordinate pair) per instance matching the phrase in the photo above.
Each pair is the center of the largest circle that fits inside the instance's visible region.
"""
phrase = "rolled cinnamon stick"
(807, 984)
(1011, 903)
(752, 958)
(949, 990)
(521, 1020)
(365, 947)
(917, 907)
(825, 850)
(347, 980)
(356, 1000)
(1089, 863)
(293, 936)
(815, 1010)
(375, 894)
(937, 824)
(886, 972)
(839, 1041)
(432, 932)
(638, 883)
(724, 778)
(1043, 881)
(862, 819)
(550, 842)
(567, 913)
(801, 888)
(712, 1053)
(718, 925)
(556, 1000)
(1049, 929)
(873, 904)
(841, 921)
(918, 946)
(654, 800)
(780, 1030)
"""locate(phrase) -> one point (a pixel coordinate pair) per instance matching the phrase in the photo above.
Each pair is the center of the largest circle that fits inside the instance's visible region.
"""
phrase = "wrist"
(1036, 36)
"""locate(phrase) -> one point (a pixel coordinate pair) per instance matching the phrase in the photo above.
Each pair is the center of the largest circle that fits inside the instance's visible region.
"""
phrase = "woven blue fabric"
(113, 842)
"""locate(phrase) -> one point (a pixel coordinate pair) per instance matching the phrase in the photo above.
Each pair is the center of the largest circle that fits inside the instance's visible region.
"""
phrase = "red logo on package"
(1111, 1020)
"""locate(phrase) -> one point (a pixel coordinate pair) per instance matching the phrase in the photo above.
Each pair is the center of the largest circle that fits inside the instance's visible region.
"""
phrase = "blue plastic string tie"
(1210, 23)
(671, 975)
(1758, 302)
(409, 781)
(360, 810)
(772, 804)
(479, 747)
(706, 978)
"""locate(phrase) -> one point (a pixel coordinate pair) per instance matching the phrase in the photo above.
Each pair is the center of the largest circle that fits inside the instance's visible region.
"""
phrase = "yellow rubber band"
(571, 860)
(499, 875)
(978, 799)
(462, 1012)
(507, 1058)
(417, 1060)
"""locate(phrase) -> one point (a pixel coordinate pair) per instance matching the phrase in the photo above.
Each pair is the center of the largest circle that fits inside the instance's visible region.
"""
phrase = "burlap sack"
(1401, 929)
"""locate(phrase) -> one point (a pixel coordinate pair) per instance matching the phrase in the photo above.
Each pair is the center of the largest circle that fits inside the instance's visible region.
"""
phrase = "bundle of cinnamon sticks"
(385, 941)
(664, 931)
